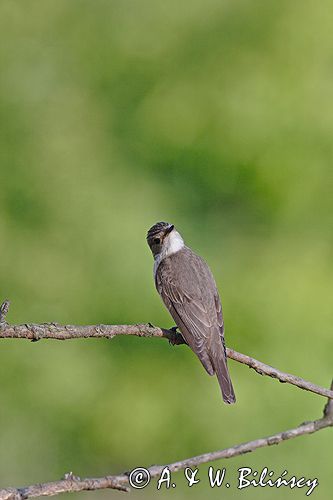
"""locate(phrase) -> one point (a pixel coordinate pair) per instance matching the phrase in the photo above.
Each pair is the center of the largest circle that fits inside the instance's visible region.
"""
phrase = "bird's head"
(163, 239)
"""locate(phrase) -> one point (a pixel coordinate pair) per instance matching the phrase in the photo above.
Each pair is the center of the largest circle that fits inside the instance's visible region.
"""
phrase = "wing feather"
(191, 325)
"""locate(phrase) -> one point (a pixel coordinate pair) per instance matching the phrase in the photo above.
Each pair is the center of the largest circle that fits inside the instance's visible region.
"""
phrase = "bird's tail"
(219, 362)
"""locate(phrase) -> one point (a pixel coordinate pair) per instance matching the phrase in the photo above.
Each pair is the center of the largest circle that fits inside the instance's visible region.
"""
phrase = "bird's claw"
(175, 338)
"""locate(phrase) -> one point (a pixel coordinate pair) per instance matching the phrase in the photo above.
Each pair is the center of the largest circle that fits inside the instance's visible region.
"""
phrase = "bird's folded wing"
(197, 325)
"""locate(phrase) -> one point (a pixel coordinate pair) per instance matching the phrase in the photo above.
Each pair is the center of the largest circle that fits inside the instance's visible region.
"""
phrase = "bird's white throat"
(172, 243)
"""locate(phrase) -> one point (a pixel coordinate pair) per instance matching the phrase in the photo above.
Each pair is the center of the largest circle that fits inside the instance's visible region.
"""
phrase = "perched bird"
(188, 289)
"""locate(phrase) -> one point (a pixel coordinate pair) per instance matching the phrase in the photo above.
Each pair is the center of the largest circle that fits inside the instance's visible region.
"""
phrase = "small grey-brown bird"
(188, 289)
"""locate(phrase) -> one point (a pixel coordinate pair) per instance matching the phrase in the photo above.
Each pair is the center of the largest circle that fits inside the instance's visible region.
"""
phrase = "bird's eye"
(157, 241)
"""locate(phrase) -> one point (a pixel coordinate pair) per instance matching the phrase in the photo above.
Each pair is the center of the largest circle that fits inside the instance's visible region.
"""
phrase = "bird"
(188, 289)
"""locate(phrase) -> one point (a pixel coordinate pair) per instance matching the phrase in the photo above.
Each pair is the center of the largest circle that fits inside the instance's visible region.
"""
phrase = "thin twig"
(56, 331)
(4, 310)
(73, 483)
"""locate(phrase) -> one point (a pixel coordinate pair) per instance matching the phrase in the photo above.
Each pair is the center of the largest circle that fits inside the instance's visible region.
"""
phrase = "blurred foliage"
(217, 116)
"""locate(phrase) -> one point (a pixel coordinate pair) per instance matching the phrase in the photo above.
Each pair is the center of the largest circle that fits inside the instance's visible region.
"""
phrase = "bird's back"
(189, 273)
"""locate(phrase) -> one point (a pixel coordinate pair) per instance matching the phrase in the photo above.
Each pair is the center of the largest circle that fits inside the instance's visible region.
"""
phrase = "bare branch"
(69, 484)
(328, 410)
(56, 331)
(73, 483)
(264, 369)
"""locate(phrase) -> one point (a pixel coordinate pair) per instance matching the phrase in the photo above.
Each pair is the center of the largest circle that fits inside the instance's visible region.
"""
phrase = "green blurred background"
(217, 116)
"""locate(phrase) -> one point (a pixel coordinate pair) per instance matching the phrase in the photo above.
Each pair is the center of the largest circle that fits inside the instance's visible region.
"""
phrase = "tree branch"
(35, 332)
(72, 483)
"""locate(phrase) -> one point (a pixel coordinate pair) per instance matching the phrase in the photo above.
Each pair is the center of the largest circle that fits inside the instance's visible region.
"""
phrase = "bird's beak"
(169, 229)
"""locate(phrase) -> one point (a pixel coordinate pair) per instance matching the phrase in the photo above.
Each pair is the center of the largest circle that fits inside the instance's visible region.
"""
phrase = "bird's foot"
(175, 338)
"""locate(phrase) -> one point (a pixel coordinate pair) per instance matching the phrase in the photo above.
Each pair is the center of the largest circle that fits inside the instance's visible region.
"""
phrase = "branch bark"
(71, 483)
(35, 332)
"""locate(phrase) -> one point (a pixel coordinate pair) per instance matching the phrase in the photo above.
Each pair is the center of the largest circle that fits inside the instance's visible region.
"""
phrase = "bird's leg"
(175, 338)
